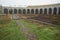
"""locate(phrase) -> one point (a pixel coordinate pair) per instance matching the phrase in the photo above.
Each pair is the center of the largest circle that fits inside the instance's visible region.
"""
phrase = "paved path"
(26, 32)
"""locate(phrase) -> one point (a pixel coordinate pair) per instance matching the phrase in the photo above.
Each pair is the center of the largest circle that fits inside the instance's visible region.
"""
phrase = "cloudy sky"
(27, 2)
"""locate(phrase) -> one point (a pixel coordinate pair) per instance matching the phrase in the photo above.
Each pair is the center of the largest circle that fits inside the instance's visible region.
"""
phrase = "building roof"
(34, 6)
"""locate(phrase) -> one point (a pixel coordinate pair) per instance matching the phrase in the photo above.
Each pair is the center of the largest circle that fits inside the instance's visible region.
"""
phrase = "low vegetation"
(4, 19)
(43, 32)
(9, 30)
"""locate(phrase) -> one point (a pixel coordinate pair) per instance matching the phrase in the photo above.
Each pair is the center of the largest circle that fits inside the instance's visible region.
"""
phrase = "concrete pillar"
(57, 10)
(26, 11)
(8, 10)
(34, 11)
(13, 11)
(43, 11)
(52, 10)
(22, 11)
(30, 11)
(48, 11)
(17, 11)
(38, 10)
(3, 10)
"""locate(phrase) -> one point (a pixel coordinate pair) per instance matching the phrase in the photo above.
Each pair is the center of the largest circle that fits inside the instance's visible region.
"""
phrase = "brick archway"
(24, 11)
(59, 10)
(15, 11)
(36, 11)
(45, 11)
(28, 11)
(41, 11)
(55, 10)
(10, 11)
(6, 11)
(32, 11)
(50, 11)
(19, 11)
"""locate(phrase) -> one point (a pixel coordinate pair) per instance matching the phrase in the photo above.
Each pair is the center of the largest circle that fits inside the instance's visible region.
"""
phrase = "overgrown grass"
(4, 19)
(43, 32)
(11, 31)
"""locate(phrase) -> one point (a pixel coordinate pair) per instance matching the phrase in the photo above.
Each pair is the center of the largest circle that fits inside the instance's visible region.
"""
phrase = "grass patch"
(11, 31)
(43, 32)
(4, 19)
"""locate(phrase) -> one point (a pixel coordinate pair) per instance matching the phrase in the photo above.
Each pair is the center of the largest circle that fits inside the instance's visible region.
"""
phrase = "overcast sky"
(27, 2)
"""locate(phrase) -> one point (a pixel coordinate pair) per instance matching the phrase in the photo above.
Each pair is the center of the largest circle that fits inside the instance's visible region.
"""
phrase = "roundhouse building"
(46, 13)
(42, 9)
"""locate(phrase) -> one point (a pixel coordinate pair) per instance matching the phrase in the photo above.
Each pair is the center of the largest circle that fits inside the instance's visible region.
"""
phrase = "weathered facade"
(0, 9)
(46, 13)
(42, 9)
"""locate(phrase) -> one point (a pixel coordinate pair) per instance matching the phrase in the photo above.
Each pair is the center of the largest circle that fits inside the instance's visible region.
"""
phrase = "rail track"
(42, 21)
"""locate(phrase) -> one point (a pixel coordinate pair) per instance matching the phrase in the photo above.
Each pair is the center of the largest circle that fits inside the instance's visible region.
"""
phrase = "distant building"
(38, 9)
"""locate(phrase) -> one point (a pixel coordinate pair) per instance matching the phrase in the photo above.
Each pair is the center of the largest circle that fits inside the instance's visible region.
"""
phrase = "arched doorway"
(19, 11)
(41, 11)
(10, 11)
(50, 10)
(55, 10)
(24, 11)
(6, 11)
(28, 11)
(59, 10)
(45, 11)
(15, 11)
(32, 11)
(36, 11)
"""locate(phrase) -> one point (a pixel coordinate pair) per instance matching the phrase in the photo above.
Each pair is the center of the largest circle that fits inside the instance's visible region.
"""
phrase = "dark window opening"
(19, 11)
(41, 11)
(15, 11)
(59, 10)
(36, 11)
(32, 11)
(28, 11)
(6, 11)
(50, 11)
(55, 11)
(24, 11)
(10, 11)
(45, 11)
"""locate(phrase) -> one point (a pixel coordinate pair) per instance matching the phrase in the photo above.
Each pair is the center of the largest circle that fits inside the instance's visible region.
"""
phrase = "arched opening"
(10, 11)
(24, 11)
(41, 11)
(59, 10)
(19, 11)
(45, 11)
(55, 10)
(6, 11)
(50, 10)
(32, 11)
(36, 11)
(28, 11)
(15, 11)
